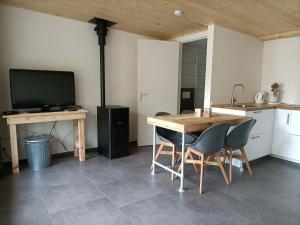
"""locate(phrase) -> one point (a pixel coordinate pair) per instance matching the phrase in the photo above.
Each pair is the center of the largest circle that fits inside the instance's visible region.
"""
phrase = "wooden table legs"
(14, 147)
(76, 144)
(81, 140)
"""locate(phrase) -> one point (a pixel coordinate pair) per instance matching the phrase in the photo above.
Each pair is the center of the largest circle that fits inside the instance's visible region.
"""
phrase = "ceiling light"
(177, 13)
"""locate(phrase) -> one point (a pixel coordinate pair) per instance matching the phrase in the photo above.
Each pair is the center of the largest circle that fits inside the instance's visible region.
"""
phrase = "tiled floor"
(122, 191)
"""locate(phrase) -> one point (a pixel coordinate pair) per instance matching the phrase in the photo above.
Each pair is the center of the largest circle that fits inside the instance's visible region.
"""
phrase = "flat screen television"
(41, 89)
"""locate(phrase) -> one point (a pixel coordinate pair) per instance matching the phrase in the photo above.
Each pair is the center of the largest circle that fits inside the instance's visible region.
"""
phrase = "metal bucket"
(38, 151)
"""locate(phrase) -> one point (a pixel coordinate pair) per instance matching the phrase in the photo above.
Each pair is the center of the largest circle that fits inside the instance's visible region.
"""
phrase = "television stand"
(46, 109)
(52, 109)
(78, 118)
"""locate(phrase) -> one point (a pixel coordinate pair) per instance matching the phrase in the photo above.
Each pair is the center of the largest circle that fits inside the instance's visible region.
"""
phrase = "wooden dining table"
(183, 124)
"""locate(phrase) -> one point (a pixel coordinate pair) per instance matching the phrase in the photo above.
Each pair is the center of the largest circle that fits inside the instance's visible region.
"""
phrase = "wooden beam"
(293, 33)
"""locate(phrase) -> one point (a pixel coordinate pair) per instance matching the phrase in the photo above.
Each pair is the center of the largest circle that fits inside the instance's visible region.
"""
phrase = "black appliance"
(41, 89)
(113, 131)
(187, 96)
(112, 121)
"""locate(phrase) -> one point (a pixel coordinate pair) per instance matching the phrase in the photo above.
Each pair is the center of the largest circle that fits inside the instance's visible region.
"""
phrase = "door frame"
(182, 40)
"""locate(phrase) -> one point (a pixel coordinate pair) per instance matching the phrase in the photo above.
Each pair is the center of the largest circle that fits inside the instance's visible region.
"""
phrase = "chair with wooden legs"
(207, 148)
(236, 140)
(171, 139)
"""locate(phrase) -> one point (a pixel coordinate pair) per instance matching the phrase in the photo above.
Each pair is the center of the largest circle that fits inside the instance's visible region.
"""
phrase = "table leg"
(14, 147)
(75, 128)
(181, 189)
(81, 140)
(154, 147)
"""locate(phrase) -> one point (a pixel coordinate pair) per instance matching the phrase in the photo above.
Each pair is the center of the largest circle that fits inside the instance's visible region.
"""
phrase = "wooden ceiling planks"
(260, 18)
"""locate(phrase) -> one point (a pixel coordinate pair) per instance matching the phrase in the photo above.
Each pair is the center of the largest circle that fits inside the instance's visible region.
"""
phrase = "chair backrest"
(163, 133)
(212, 139)
(239, 135)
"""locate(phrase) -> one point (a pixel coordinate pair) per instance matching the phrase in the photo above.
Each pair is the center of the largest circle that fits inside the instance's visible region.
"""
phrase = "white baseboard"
(285, 158)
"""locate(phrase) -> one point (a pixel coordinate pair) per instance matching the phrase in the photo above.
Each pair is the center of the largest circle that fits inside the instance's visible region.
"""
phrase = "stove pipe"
(101, 30)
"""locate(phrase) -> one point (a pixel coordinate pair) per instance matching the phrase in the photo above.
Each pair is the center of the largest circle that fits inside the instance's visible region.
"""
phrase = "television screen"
(41, 88)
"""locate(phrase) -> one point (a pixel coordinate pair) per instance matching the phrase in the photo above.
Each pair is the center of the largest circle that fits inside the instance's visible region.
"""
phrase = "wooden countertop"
(254, 107)
(192, 123)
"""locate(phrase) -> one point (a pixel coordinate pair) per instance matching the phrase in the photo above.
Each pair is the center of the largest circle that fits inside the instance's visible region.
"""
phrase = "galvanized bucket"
(38, 151)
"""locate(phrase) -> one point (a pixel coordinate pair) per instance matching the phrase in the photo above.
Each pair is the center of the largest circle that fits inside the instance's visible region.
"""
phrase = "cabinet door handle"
(255, 137)
(288, 119)
(256, 112)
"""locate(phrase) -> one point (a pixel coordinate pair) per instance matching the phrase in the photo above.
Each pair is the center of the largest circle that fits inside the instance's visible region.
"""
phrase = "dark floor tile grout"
(266, 172)
(44, 202)
(106, 196)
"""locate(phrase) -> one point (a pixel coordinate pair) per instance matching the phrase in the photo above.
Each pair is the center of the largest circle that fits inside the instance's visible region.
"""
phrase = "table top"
(191, 123)
(26, 114)
(25, 118)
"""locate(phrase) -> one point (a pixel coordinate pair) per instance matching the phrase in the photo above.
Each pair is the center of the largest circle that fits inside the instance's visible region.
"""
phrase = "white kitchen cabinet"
(264, 121)
(281, 133)
(294, 148)
(258, 146)
(286, 136)
(276, 132)
(294, 145)
(260, 140)
(295, 122)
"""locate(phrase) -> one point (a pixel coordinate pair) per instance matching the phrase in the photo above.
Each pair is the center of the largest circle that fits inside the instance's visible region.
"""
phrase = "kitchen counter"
(254, 107)
(276, 131)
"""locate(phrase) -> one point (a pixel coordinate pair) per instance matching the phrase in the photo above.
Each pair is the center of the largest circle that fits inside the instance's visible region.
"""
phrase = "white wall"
(121, 70)
(281, 63)
(33, 40)
(232, 57)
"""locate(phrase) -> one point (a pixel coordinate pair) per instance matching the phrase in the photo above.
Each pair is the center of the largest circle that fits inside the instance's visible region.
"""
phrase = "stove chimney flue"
(101, 29)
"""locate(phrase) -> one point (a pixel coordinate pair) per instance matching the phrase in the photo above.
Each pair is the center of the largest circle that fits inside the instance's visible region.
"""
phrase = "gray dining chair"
(236, 140)
(171, 139)
(208, 149)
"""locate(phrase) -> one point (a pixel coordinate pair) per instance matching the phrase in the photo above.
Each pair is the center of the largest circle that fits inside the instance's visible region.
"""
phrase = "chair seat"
(176, 139)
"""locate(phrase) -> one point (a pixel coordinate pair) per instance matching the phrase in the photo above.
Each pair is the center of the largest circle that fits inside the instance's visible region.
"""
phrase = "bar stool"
(236, 140)
(171, 139)
(208, 148)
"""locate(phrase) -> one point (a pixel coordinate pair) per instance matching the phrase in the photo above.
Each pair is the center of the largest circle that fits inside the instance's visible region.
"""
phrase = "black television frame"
(45, 107)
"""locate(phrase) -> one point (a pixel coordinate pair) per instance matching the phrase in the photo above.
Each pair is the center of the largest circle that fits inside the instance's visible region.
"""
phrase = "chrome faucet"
(233, 99)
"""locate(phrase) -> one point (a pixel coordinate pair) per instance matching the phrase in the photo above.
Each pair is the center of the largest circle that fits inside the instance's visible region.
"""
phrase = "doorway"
(193, 72)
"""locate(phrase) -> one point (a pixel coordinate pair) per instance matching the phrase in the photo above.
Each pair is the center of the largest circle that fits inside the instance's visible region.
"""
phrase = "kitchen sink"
(245, 105)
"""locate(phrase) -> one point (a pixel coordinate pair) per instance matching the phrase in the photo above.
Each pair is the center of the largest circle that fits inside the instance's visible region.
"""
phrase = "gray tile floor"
(122, 191)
